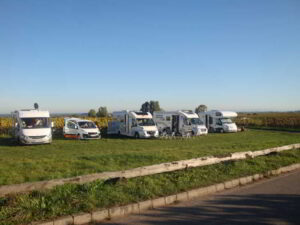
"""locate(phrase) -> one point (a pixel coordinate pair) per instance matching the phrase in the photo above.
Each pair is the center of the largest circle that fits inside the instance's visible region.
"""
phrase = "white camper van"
(80, 129)
(32, 126)
(133, 124)
(182, 122)
(219, 121)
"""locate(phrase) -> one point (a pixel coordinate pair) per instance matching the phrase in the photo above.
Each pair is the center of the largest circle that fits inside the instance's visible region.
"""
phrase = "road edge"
(136, 208)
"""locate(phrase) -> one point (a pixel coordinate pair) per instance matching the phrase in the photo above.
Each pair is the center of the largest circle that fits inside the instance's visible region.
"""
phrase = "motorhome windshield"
(86, 124)
(226, 120)
(34, 123)
(193, 121)
(145, 122)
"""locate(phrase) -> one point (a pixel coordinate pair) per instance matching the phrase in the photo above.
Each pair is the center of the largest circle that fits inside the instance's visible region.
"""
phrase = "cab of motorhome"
(181, 122)
(133, 124)
(32, 126)
(77, 128)
(219, 121)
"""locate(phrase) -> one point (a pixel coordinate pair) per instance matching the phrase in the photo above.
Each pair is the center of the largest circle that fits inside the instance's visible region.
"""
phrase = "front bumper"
(91, 136)
(230, 131)
(31, 141)
(202, 131)
(149, 134)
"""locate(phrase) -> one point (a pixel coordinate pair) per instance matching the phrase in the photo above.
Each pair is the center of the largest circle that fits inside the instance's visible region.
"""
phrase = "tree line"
(148, 106)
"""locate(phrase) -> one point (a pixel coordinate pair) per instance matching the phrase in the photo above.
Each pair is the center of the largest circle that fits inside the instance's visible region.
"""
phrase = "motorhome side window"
(134, 124)
(71, 125)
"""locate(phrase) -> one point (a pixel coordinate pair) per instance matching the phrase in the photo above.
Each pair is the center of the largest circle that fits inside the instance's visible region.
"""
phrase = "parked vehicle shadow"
(234, 209)
(8, 141)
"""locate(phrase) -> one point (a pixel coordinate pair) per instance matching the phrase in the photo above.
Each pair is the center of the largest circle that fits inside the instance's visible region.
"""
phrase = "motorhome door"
(207, 121)
(127, 124)
(175, 123)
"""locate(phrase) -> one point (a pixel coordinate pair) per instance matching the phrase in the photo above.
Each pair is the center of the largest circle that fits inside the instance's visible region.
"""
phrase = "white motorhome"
(181, 122)
(133, 124)
(219, 121)
(32, 126)
(80, 129)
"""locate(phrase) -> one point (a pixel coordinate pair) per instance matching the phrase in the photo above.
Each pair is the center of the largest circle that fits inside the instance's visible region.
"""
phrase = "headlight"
(24, 137)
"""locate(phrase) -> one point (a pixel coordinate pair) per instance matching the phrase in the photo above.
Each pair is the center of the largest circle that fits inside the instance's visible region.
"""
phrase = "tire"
(164, 132)
(221, 131)
(78, 137)
(136, 135)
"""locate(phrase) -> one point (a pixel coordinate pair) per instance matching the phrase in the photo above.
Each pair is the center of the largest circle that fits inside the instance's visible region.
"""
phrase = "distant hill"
(68, 114)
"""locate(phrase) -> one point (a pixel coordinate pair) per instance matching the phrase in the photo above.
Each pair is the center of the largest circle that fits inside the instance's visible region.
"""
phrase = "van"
(32, 126)
(77, 128)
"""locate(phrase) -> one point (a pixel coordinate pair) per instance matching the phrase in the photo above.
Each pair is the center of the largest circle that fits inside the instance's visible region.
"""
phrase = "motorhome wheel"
(166, 132)
(136, 135)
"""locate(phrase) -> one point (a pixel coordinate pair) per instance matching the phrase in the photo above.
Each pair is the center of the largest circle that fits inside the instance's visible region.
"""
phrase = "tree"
(145, 107)
(102, 112)
(92, 113)
(154, 106)
(36, 106)
(150, 106)
(201, 108)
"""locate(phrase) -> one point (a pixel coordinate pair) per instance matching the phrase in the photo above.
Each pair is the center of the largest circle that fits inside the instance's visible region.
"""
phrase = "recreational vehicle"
(182, 122)
(80, 129)
(32, 126)
(133, 124)
(219, 121)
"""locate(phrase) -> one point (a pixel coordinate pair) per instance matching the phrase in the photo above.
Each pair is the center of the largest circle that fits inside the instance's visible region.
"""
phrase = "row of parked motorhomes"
(35, 126)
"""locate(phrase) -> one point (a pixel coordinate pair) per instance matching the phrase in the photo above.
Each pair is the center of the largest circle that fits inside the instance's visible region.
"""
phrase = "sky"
(72, 56)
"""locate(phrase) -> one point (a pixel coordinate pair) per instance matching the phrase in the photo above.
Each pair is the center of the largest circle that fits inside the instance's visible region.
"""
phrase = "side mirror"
(76, 127)
(16, 124)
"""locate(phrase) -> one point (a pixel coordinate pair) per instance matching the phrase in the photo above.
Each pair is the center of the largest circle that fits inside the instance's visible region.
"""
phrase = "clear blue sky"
(71, 56)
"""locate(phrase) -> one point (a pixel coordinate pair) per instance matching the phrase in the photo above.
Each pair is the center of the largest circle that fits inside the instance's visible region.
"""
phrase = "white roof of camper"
(134, 114)
(31, 113)
(223, 113)
(186, 113)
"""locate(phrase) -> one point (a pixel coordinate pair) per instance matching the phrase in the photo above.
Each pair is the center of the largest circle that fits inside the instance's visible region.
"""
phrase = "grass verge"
(68, 158)
(71, 198)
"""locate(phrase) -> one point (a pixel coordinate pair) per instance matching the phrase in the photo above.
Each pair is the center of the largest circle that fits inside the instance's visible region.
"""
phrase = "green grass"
(275, 128)
(67, 158)
(72, 198)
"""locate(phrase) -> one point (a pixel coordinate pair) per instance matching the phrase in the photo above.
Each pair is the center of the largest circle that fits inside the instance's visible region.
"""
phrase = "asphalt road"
(270, 201)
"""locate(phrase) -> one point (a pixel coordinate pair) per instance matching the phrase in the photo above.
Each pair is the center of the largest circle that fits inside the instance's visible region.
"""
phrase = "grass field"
(66, 158)
(69, 199)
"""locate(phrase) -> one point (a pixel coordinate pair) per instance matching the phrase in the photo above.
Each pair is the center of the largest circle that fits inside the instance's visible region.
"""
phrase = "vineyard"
(270, 120)
(6, 123)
